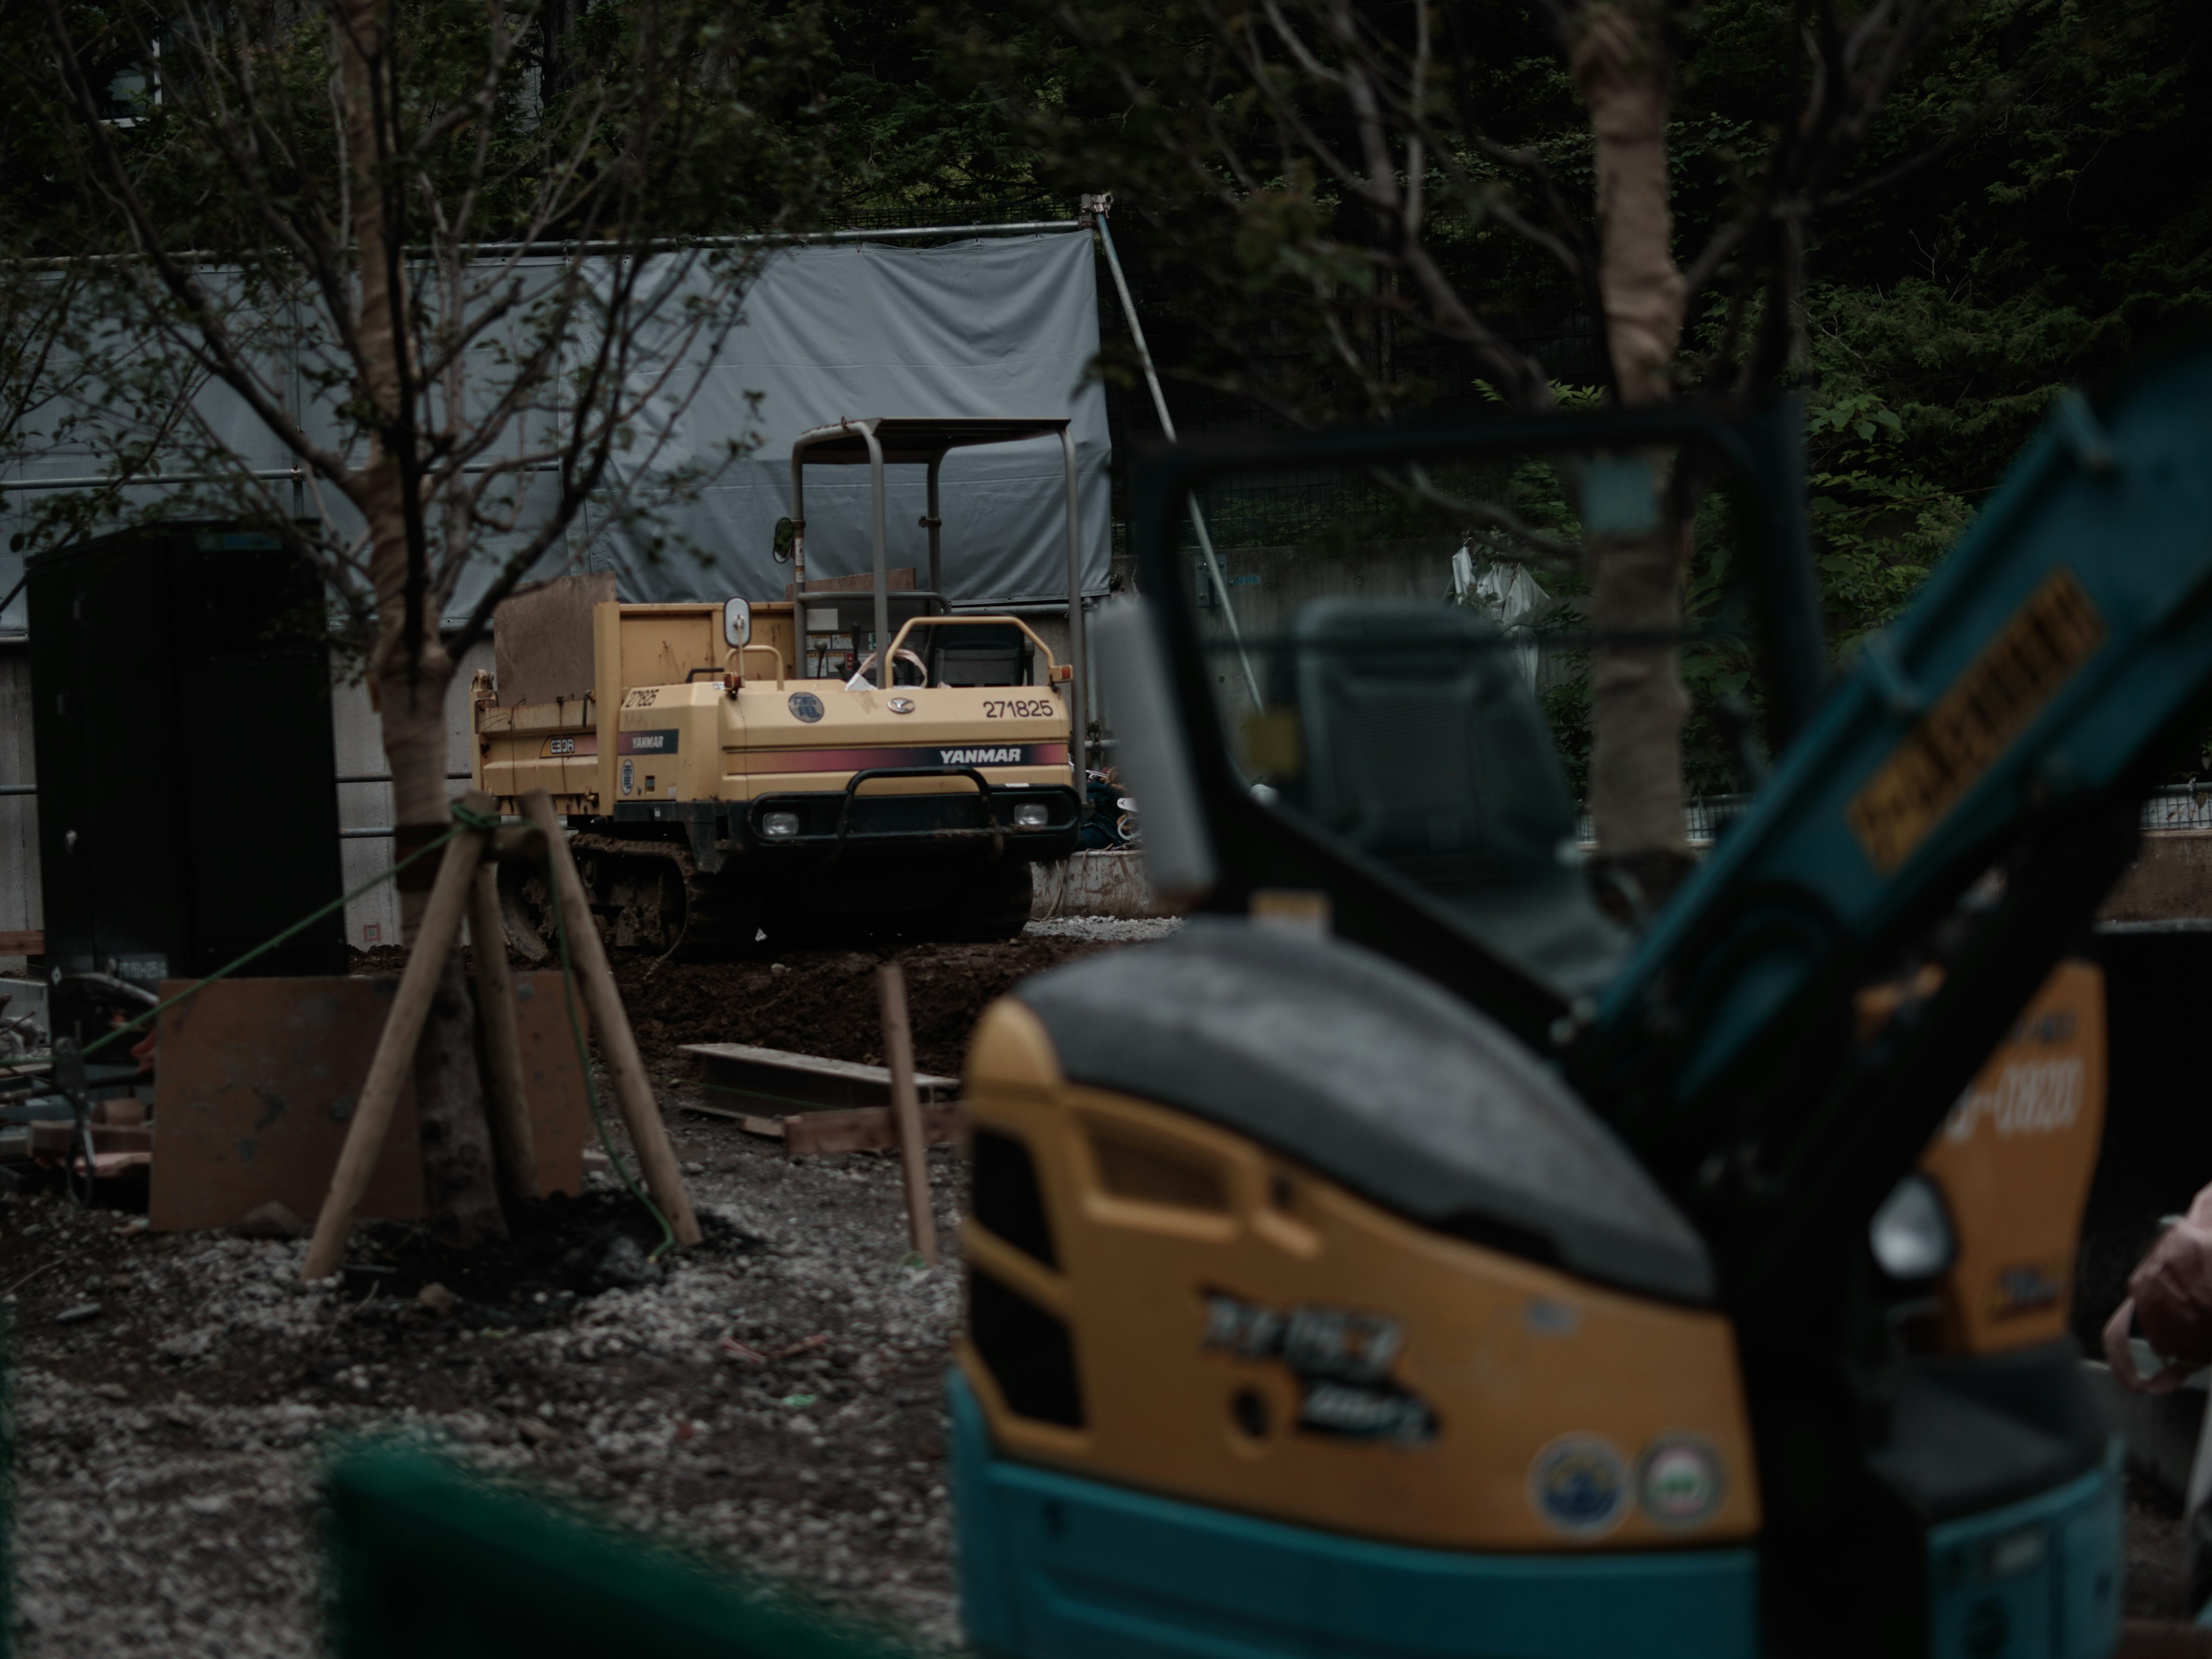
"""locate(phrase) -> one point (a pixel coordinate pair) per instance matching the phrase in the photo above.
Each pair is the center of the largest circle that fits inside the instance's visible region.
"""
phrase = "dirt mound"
(824, 1002)
(818, 1002)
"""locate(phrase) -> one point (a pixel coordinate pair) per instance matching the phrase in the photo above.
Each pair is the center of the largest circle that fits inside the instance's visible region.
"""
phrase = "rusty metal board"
(256, 1078)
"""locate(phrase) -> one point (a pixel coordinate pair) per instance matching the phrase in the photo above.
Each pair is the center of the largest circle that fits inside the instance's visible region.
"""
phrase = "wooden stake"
(502, 1037)
(632, 1088)
(906, 1110)
(395, 1054)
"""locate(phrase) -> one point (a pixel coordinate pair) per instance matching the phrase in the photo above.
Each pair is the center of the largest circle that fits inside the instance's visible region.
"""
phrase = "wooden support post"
(395, 1053)
(525, 842)
(656, 1158)
(502, 1039)
(906, 1110)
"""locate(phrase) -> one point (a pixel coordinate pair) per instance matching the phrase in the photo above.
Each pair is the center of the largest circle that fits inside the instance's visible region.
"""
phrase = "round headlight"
(1910, 1234)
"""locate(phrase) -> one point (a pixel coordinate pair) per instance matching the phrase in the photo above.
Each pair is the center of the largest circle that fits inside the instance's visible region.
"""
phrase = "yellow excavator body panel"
(2015, 1160)
(1191, 1267)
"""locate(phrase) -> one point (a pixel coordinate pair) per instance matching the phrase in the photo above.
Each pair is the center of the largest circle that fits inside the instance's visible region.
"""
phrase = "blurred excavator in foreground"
(1401, 1261)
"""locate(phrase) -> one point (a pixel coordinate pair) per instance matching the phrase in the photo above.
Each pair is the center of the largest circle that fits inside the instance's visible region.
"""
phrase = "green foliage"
(2023, 215)
(197, 186)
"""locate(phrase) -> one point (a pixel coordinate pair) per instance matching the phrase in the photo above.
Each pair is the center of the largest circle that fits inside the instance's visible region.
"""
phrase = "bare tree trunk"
(410, 678)
(1622, 68)
(460, 1172)
(460, 1185)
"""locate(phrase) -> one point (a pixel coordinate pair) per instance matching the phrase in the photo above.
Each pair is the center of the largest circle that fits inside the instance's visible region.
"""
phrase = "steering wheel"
(906, 658)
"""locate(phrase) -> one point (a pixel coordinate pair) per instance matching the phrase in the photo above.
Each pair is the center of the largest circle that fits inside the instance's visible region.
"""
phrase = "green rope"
(591, 1090)
(267, 946)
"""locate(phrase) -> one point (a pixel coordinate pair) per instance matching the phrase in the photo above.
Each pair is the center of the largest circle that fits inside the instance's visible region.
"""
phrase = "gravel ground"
(168, 1444)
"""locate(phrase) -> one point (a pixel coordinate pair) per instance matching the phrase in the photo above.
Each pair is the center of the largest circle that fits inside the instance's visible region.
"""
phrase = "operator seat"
(981, 654)
(1425, 750)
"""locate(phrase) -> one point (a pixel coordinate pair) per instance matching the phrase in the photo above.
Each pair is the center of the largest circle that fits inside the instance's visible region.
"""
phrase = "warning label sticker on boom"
(2003, 689)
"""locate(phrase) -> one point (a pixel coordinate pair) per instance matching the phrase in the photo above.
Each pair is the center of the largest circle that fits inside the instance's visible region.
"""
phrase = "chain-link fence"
(2180, 806)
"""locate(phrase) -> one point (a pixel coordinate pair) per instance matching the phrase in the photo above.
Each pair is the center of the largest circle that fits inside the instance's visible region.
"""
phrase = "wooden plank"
(870, 1129)
(30, 942)
(818, 1065)
(751, 1122)
(775, 1081)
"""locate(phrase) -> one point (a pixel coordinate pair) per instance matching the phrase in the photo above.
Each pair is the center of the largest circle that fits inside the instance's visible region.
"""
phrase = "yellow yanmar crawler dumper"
(770, 767)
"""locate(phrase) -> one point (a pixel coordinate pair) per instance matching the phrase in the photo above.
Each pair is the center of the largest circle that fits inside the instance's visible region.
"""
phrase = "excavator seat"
(1425, 750)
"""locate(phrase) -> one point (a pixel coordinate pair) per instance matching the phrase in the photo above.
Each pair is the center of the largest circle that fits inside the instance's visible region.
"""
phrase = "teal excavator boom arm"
(1964, 798)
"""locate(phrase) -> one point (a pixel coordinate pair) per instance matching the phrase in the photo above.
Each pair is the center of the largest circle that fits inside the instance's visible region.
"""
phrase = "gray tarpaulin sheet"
(993, 326)
(1001, 327)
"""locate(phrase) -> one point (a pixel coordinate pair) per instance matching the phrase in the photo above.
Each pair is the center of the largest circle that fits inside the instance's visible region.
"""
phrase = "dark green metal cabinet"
(181, 684)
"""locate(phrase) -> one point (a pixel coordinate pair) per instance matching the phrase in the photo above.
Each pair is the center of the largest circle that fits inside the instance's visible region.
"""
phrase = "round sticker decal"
(1679, 1481)
(1579, 1485)
(805, 706)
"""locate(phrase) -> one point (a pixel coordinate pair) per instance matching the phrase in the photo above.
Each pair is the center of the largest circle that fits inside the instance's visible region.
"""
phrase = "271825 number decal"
(998, 709)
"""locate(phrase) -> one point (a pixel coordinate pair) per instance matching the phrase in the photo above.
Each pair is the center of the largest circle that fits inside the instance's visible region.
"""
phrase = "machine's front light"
(779, 826)
(1910, 1234)
(1031, 815)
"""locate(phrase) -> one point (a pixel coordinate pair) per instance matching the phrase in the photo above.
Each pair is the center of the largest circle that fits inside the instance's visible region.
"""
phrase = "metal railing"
(2177, 806)
(371, 832)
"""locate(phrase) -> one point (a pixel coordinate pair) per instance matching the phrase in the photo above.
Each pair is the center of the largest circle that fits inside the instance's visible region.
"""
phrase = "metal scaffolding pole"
(1099, 206)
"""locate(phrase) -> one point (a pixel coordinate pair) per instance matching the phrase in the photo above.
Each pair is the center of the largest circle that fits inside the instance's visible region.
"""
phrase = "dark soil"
(825, 1002)
(815, 1002)
(2157, 1553)
(556, 1252)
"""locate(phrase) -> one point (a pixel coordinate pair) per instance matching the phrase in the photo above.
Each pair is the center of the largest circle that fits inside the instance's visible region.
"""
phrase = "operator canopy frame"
(925, 440)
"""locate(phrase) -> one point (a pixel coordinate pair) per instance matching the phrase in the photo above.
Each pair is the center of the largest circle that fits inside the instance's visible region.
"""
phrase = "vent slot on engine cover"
(1005, 1197)
(1027, 1351)
(1151, 1174)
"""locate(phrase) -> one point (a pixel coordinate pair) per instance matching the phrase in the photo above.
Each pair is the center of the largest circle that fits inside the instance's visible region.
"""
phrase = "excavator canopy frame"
(1257, 846)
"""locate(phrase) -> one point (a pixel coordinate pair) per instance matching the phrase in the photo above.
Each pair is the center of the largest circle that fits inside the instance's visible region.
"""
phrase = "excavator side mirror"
(736, 622)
